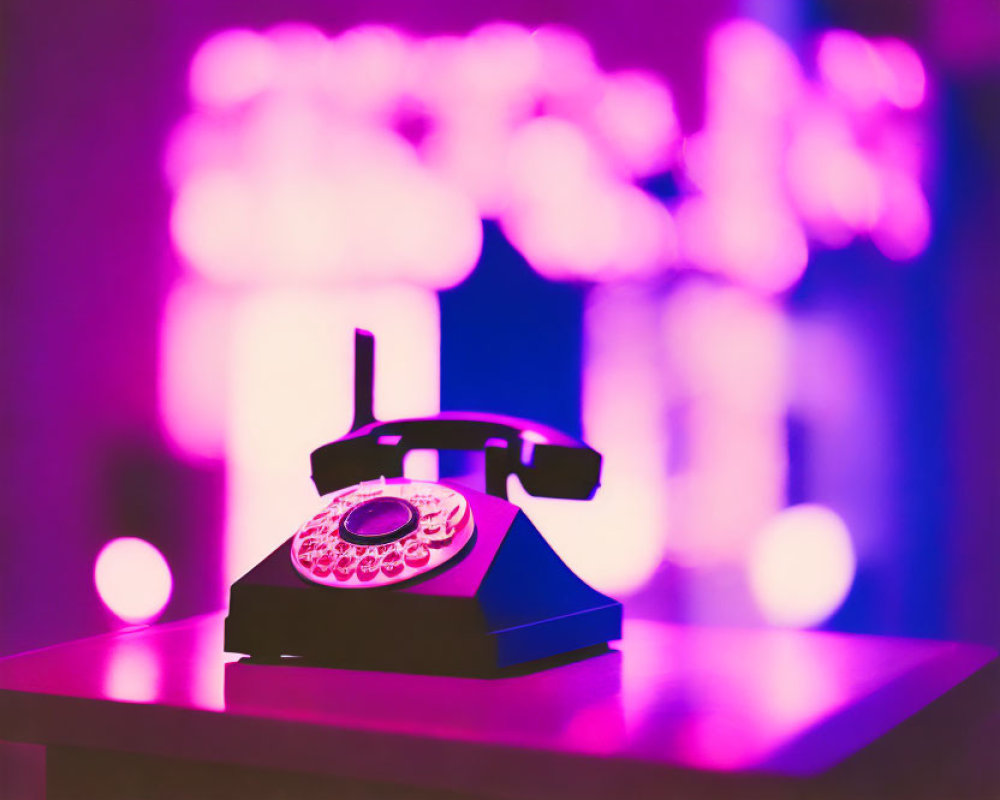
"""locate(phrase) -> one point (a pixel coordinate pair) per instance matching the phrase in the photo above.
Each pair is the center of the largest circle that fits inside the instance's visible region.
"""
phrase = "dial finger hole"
(345, 568)
(416, 554)
(425, 501)
(368, 567)
(392, 564)
(442, 537)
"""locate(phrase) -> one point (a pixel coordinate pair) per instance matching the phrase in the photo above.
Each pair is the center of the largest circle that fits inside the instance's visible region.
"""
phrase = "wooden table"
(670, 711)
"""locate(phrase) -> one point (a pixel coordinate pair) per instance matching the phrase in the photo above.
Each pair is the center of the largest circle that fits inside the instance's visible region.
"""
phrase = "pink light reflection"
(733, 698)
(133, 671)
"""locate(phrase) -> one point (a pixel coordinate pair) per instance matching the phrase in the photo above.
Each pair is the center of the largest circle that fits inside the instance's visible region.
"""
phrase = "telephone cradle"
(412, 576)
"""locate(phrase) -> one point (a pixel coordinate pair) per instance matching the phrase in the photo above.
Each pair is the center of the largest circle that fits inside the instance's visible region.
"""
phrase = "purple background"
(90, 92)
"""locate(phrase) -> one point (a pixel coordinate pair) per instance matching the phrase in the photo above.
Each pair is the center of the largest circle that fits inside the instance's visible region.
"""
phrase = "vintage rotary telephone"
(425, 577)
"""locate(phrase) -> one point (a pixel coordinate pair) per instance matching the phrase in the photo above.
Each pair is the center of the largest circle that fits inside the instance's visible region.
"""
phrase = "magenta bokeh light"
(232, 67)
(303, 149)
(864, 73)
(784, 160)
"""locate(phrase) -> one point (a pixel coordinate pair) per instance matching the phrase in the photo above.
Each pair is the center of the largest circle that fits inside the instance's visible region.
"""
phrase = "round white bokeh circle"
(133, 579)
(802, 565)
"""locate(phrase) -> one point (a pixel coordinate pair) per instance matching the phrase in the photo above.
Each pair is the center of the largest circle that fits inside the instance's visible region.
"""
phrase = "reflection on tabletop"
(707, 698)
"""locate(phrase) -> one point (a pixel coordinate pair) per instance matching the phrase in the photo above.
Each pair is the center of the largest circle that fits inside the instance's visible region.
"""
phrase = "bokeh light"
(905, 83)
(232, 67)
(851, 66)
(133, 579)
(833, 183)
(635, 121)
(726, 350)
(802, 566)
(904, 227)
(195, 341)
(742, 225)
(569, 215)
(864, 73)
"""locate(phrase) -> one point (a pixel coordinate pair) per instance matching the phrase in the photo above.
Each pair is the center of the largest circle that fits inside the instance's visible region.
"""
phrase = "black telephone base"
(509, 603)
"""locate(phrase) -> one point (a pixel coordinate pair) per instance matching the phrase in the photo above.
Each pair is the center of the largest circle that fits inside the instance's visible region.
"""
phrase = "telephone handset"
(548, 462)
(419, 576)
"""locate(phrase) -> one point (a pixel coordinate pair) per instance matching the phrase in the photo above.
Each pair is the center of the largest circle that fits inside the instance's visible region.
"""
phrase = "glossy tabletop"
(665, 701)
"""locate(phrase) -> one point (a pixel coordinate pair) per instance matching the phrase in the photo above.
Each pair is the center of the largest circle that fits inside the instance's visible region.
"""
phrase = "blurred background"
(745, 249)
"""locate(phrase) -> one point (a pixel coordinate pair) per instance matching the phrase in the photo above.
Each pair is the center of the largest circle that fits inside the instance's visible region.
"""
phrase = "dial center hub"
(379, 521)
